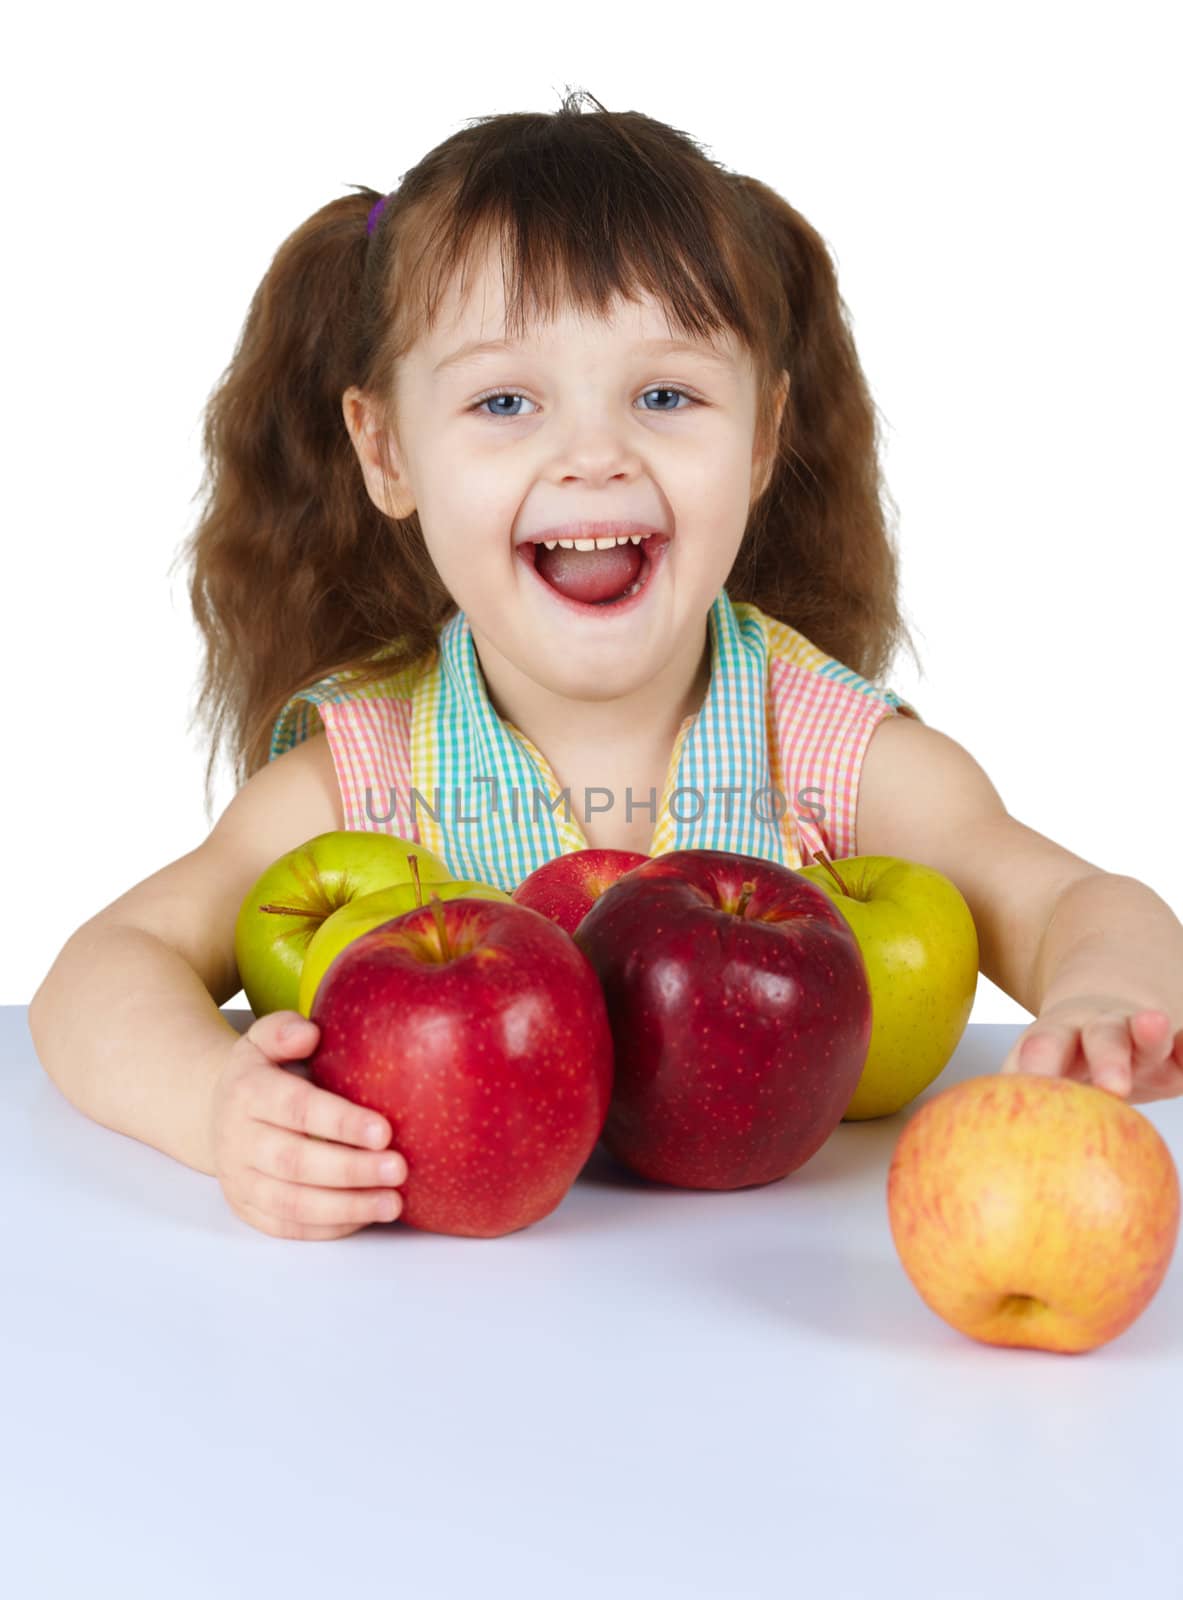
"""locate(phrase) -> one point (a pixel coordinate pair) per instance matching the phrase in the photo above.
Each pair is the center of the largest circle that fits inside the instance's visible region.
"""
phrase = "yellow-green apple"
(366, 912)
(480, 1031)
(920, 947)
(287, 903)
(566, 887)
(1033, 1211)
(740, 1017)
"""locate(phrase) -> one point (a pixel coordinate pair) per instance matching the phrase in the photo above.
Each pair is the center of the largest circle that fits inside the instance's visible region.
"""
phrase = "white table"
(651, 1393)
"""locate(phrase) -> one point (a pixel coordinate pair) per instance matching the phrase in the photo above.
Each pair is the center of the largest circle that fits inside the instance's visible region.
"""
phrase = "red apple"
(566, 887)
(740, 1013)
(479, 1029)
(1033, 1211)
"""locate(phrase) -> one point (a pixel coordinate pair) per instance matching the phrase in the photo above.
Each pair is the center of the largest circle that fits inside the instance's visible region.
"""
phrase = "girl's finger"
(289, 1101)
(300, 1204)
(283, 1035)
(1047, 1050)
(278, 1230)
(1108, 1048)
(1151, 1033)
(282, 1154)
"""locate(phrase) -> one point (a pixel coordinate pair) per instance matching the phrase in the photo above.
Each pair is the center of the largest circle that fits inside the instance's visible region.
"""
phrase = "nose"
(595, 449)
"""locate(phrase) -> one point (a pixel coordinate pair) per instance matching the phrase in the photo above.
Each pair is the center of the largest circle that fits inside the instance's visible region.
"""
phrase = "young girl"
(558, 329)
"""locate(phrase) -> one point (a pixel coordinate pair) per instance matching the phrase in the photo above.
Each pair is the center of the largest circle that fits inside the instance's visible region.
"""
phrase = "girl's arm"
(126, 1021)
(1095, 956)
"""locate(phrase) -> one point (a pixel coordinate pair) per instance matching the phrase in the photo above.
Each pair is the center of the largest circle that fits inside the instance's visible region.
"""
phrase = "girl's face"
(584, 420)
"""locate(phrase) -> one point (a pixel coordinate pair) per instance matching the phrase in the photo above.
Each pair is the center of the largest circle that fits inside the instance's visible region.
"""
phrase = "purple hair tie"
(375, 213)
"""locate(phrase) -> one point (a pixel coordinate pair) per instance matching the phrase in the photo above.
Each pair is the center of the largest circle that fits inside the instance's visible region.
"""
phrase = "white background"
(998, 186)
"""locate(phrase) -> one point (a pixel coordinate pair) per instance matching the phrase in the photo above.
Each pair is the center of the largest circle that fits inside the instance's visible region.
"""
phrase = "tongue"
(589, 575)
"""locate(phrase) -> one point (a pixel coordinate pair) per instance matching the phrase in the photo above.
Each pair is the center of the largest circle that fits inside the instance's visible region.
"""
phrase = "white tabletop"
(650, 1393)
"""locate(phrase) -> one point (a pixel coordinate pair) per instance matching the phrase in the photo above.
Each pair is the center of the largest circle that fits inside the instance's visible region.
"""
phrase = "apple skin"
(1032, 1211)
(739, 1035)
(920, 948)
(490, 1054)
(310, 883)
(367, 911)
(566, 887)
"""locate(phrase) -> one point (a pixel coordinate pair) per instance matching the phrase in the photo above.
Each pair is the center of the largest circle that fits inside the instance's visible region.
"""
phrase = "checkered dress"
(768, 765)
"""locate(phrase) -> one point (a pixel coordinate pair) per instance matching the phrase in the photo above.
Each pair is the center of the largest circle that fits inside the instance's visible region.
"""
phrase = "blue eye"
(506, 394)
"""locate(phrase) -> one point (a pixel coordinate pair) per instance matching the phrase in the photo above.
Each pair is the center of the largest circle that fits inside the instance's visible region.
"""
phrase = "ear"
(391, 496)
(764, 452)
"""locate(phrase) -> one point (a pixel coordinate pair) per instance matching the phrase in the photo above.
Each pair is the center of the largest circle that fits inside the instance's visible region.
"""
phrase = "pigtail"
(818, 552)
(294, 571)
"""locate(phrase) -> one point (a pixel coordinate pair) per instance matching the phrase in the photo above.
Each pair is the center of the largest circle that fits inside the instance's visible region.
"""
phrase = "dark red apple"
(566, 887)
(740, 1013)
(479, 1029)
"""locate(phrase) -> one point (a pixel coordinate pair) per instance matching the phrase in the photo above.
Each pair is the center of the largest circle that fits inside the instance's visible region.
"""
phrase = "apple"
(920, 948)
(566, 887)
(287, 903)
(1033, 1211)
(480, 1031)
(740, 1016)
(367, 911)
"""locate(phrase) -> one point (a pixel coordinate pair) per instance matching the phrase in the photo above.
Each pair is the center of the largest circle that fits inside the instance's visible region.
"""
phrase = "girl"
(550, 479)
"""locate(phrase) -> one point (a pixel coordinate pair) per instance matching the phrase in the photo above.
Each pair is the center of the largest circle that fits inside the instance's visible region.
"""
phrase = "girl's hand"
(1135, 1052)
(295, 1160)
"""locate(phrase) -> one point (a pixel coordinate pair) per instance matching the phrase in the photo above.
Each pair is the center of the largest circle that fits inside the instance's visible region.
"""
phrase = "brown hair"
(296, 573)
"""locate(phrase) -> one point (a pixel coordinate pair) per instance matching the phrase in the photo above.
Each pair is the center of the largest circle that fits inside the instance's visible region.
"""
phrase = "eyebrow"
(480, 347)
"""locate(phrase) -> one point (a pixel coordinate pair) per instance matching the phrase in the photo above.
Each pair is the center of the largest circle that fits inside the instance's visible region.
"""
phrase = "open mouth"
(602, 580)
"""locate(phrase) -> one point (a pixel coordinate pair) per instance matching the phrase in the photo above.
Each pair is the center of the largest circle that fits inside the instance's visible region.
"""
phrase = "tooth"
(550, 543)
(606, 544)
(566, 544)
(584, 544)
(635, 538)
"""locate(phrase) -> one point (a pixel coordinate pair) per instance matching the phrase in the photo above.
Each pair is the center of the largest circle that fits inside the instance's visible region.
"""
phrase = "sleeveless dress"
(768, 765)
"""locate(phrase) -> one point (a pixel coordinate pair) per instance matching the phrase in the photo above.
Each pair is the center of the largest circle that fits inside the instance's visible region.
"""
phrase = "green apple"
(920, 949)
(366, 912)
(288, 902)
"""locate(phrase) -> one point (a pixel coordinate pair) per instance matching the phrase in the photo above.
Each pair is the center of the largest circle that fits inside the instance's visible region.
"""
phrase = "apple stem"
(749, 890)
(823, 859)
(286, 911)
(413, 863)
(437, 911)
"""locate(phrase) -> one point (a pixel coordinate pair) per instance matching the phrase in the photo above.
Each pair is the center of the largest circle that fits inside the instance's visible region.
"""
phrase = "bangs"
(581, 216)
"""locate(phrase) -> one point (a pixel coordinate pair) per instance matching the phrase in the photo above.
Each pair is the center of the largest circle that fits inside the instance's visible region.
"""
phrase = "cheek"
(464, 523)
(473, 562)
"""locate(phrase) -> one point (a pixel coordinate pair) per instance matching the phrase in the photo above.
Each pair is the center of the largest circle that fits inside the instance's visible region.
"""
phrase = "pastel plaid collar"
(499, 809)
